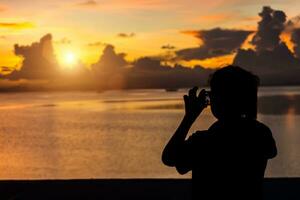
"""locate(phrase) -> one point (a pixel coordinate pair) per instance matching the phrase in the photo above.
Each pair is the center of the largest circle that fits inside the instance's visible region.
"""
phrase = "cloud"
(271, 58)
(110, 61)
(5, 70)
(89, 3)
(110, 69)
(168, 47)
(97, 44)
(216, 42)
(126, 35)
(148, 64)
(293, 28)
(64, 41)
(148, 72)
(21, 25)
(295, 38)
(270, 27)
(39, 61)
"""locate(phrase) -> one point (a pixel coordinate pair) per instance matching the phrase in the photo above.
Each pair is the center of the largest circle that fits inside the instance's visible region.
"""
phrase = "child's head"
(234, 93)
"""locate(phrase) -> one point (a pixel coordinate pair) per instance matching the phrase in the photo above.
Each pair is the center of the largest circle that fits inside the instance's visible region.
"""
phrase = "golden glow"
(9, 61)
(247, 43)
(17, 25)
(286, 37)
(215, 62)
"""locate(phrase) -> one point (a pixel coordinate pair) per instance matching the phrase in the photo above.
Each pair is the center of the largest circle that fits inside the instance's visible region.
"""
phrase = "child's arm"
(193, 107)
(270, 149)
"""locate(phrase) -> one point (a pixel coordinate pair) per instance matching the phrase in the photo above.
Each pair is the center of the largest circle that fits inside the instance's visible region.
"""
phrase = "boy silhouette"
(229, 159)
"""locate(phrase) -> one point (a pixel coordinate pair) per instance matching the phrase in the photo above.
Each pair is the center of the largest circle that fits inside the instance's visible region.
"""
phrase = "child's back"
(229, 159)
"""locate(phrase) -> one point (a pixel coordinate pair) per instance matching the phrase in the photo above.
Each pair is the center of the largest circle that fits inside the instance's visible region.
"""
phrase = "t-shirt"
(228, 160)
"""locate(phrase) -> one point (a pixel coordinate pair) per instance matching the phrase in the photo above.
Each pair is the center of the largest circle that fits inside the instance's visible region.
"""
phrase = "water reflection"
(83, 135)
(279, 105)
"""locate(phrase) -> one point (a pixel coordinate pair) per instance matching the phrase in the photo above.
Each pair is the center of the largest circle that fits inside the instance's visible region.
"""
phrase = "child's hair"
(234, 93)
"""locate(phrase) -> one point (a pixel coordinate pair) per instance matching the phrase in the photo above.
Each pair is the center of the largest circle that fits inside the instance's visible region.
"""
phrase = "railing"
(154, 189)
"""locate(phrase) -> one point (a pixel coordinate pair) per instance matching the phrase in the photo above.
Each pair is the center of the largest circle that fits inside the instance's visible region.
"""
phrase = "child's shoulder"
(262, 127)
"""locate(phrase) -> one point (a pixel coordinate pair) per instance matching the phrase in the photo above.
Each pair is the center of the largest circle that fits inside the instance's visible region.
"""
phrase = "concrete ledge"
(275, 188)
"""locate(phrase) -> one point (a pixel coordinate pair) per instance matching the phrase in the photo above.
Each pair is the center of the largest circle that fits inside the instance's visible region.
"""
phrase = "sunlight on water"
(119, 134)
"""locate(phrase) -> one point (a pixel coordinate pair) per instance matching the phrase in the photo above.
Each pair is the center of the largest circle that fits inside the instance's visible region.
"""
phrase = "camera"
(207, 97)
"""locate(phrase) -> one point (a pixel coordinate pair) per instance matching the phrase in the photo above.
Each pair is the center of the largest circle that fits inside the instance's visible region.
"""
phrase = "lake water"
(120, 134)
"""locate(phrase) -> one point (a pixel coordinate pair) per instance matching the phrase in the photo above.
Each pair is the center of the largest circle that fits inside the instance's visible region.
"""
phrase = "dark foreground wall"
(154, 189)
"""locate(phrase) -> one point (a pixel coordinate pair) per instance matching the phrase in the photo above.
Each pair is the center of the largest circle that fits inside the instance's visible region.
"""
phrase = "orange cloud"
(247, 43)
(215, 62)
(15, 25)
(220, 61)
(190, 32)
(286, 38)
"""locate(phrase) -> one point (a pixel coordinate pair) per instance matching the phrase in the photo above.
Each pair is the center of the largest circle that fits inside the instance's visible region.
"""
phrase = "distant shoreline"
(19, 89)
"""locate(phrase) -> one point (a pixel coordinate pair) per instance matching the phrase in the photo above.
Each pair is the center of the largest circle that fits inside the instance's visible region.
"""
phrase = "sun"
(70, 58)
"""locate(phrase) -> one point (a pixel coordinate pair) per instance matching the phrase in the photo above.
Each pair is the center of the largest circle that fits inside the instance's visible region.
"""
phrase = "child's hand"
(194, 104)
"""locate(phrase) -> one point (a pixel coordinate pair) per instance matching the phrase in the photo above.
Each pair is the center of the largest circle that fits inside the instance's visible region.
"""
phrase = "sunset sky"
(81, 29)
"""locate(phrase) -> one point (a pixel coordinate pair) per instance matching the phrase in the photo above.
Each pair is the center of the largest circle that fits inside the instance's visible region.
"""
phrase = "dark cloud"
(271, 59)
(126, 35)
(270, 27)
(97, 44)
(280, 58)
(110, 71)
(148, 72)
(216, 42)
(295, 38)
(270, 52)
(64, 41)
(38, 60)
(148, 64)
(110, 61)
(88, 3)
(168, 47)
